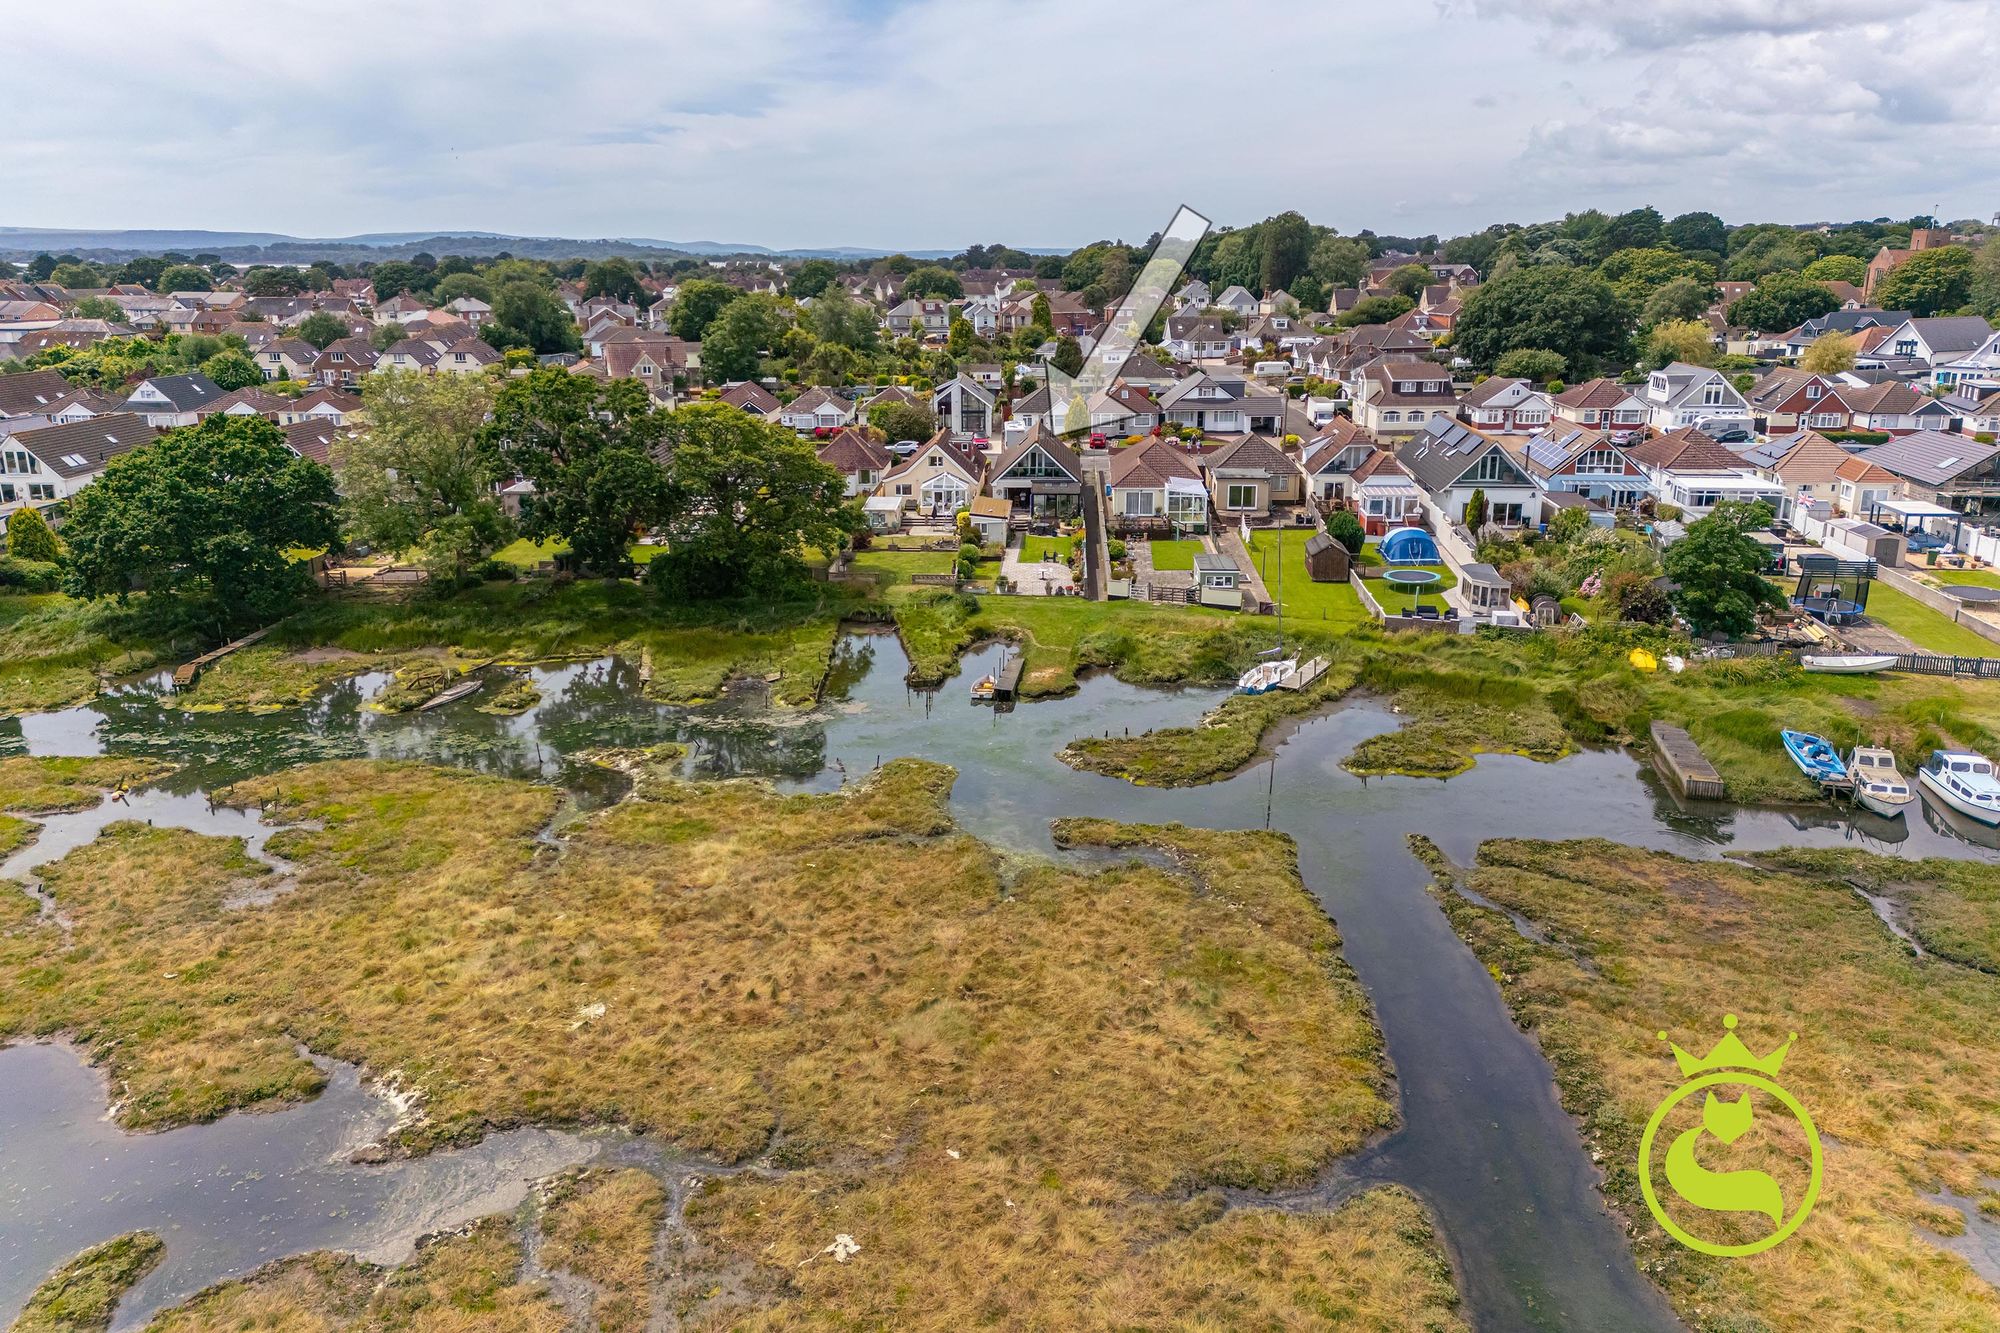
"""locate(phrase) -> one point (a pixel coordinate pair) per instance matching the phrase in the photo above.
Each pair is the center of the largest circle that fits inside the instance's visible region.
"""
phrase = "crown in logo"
(1731, 1053)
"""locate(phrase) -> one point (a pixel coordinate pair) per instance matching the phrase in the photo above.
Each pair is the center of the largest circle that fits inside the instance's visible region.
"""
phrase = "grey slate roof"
(92, 443)
(1931, 457)
(186, 392)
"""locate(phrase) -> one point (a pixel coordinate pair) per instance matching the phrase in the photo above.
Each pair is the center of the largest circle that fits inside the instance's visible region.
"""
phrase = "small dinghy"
(450, 696)
(1816, 758)
(983, 689)
(1265, 676)
(1847, 664)
(1877, 784)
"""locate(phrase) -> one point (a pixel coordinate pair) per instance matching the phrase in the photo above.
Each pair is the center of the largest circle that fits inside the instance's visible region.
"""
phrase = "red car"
(1098, 441)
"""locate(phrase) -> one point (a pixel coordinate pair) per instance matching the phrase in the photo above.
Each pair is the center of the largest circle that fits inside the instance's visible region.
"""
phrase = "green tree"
(1694, 232)
(587, 445)
(77, 274)
(1375, 310)
(321, 328)
(204, 515)
(384, 336)
(1782, 301)
(735, 343)
(898, 420)
(183, 278)
(265, 280)
(1677, 298)
(1530, 363)
(1929, 282)
(933, 282)
(835, 317)
(394, 277)
(1553, 306)
(232, 369)
(454, 285)
(1346, 529)
(1688, 340)
(1409, 281)
(959, 340)
(1475, 511)
(1339, 261)
(811, 279)
(1838, 268)
(30, 538)
(99, 307)
(1284, 250)
(745, 498)
(1757, 251)
(42, 267)
(696, 305)
(418, 467)
(1720, 570)
(526, 314)
(614, 277)
(1831, 353)
(1986, 280)
(1636, 274)
(1068, 357)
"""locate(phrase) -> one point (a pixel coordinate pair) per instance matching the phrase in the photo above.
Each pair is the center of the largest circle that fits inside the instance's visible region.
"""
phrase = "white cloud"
(930, 123)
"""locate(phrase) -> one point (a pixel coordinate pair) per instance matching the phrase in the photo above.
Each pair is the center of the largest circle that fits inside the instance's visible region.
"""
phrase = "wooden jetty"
(1007, 681)
(1305, 674)
(188, 672)
(1681, 763)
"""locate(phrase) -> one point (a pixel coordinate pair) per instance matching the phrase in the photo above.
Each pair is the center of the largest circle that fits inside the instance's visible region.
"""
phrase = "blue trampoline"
(1409, 546)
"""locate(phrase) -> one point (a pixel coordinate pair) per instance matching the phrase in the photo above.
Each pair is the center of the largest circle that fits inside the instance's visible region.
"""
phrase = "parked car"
(904, 448)
(1731, 435)
(1098, 440)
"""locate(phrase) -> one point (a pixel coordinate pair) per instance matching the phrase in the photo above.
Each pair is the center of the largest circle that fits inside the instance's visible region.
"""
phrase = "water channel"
(1483, 1139)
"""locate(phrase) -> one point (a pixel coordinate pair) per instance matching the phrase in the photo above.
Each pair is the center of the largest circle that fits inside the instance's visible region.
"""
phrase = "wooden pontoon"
(1681, 763)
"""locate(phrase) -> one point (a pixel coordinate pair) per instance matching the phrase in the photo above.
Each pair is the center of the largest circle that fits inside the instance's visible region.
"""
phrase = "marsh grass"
(55, 652)
(49, 786)
(1896, 1060)
(603, 1225)
(1226, 741)
(460, 1282)
(82, 1295)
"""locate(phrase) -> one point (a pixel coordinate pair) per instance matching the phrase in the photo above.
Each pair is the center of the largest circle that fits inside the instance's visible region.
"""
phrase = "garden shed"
(1327, 561)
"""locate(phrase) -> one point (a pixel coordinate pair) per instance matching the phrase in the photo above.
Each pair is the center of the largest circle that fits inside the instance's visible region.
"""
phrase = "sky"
(933, 124)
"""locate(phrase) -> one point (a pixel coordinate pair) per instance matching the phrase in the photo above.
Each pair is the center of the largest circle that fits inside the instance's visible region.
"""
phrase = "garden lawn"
(1175, 554)
(1335, 605)
(1930, 630)
(524, 554)
(890, 568)
(1982, 578)
(1054, 550)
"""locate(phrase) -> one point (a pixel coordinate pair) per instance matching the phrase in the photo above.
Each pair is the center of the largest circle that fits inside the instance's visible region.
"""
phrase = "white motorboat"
(1265, 676)
(1877, 784)
(1847, 664)
(1962, 781)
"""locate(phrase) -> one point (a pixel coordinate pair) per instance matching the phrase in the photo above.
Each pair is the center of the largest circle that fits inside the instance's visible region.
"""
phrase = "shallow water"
(1483, 1138)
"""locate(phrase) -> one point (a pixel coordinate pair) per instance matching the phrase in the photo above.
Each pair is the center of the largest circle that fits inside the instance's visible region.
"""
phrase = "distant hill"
(249, 247)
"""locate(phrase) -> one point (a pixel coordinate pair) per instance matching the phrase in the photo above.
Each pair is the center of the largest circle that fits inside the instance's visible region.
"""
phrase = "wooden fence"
(1937, 664)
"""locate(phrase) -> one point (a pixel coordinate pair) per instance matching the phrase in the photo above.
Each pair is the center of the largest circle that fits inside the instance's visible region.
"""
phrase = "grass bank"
(55, 652)
(1896, 1059)
(82, 1295)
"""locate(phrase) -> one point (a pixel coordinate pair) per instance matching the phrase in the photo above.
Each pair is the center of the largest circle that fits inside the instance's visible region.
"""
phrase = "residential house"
(817, 410)
(1602, 402)
(1123, 409)
(1949, 470)
(287, 359)
(470, 309)
(166, 401)
(467, 356)
(1860, 485)
(1939, 340)
(401, 308)
(859, 460)
(343, 363)
(1329, 459)
(1788, 399)
(753, 398)
(1682, 395)
(1071, 314)
(1250, 478)
(1222, 405)
(1689, 470)
(988, 375)
(1398, 398)
(331, 406)
(1805, 464)
(1385, 494)
(1237, 299)
(1896, 408)
(411, 355)
(1976, 408)
(312, 439)
(1451, 462)
(1154, 484)
(1857, 321)
(80, 405)
(1979, 368)
(1568, 459)
(31, 393)
(647, 355)
(250, 402)
(922, 318)
(1506, 406)
(1040, 476)
(936, 481)
(1199, 338)
(963, 408)
(1147, 373)
(41, 467)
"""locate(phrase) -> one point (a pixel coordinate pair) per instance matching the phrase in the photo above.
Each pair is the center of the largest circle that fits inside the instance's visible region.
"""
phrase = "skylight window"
(73, 460)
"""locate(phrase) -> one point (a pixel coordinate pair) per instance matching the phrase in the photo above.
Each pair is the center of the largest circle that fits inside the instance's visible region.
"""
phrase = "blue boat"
(1816, 758)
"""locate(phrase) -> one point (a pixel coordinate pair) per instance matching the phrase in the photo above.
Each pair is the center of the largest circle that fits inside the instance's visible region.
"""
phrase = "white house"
(167, 401)
(817, 409)
(1156, 481)
(1687, 469)
(1506, 406)
(40, 467)
(1682, 395)
(1451, 461)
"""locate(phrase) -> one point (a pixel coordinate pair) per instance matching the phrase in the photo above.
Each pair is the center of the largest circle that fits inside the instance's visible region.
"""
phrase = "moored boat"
(984, 688)
(1815, 756)
(1963, 781)
(1847, 664)
(1877, 783)
(1264, 677)
(450, 695)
